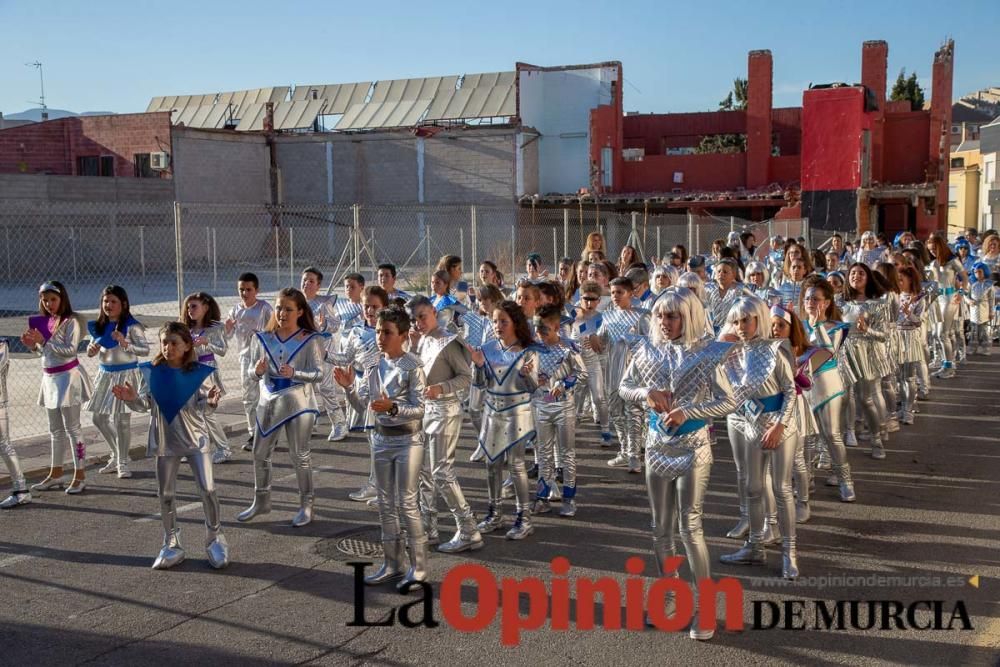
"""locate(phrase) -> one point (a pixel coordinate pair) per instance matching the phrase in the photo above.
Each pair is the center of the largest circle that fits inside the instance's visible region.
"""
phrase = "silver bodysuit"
(555, 417)
(248, 322)
(64, 382)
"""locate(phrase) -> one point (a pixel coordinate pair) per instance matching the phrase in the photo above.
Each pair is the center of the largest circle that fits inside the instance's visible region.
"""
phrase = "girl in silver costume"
(117, 340)
(202, 315)
(912, 303)
(828, 395)
(178, 391)
(478, 332)
(759, 283)
(864, 350)
(394, 391)
(885, 273)
(54, 335)
(19, 494)
(287, 360)
(678, 374)
(793, 275)
(951, 278)
(507, 370)
(326, 317)
(869, 252)
(724, 291)
(763, 427)
(588, 320)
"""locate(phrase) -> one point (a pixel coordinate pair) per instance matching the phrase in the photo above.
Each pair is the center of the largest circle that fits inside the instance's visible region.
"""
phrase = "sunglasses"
(590, 298)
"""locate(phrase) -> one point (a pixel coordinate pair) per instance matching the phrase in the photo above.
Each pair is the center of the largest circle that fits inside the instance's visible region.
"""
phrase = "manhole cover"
(358, 543)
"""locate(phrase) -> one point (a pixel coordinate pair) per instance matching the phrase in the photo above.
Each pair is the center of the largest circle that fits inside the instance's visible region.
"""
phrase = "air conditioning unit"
(159, 161)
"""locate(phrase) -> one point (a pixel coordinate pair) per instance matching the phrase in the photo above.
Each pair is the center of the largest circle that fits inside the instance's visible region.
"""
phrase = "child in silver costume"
(202, 316)
(560, 370)
(19, 492)
(117, 340)
(245, 319)
(679, 376)
(178, 391)
(951, 277)
(982, 302)
(588, 321)
(394, 391)
(54, 335)
(327, 322)
(913, 303)
(287, 361)
(507, 370)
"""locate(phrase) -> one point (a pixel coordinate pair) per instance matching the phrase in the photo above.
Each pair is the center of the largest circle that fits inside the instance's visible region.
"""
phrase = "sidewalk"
(36, 453)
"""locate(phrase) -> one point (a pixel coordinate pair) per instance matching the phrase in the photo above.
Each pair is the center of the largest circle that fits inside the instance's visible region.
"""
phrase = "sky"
(113, 55)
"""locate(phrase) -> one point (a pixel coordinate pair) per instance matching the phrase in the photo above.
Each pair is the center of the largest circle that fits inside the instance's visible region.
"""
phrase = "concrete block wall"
(220, 167)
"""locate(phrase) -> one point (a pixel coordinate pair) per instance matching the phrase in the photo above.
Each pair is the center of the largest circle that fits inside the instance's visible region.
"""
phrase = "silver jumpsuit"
(911, 343)
(555, 417)
(719, 302)
(289, 405)
(867, 361)
(679, 459)
(982, 302)
(399, 454)
(329, 323)
(248, 322)
(947, 276)
(65, 387)
(508, 423)
(478, 332)
(359, 351)
(118, 364)
(762, 372)
(596, 363)
(447, 364)
(177, 401)
(19, 491)
(620, 331)
(216, 345)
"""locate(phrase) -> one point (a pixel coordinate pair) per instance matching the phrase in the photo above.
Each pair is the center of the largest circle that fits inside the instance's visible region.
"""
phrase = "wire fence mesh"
(161, 251)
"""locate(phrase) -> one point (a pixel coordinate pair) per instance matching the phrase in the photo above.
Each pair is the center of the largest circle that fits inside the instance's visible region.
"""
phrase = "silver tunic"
(912, 337)
(216, 346)
(69, 387)
(402, 381)
(871, 258)
(558, 364)
(187, 433)
(507, 416)
(620, 331)
(283, 399)
(694, 377)
(102, 401)
(863, 351)
(828, 380)
(760, 369)
(981, 300)
(719, 303)
(446, 362)
(350, 314)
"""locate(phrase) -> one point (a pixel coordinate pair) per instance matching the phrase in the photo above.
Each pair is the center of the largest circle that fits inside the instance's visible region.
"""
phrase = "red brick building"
(847, 159)
(113, 145)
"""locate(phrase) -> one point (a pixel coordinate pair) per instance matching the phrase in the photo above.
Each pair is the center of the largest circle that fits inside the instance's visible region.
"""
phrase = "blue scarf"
(172, 388)
(104, 338)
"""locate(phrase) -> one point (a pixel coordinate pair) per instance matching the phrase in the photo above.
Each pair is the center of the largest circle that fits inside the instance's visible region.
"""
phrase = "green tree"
(907, 88)
(736, 100)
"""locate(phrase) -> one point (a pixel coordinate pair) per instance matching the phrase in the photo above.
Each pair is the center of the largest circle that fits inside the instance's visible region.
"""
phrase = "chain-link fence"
(161, 251)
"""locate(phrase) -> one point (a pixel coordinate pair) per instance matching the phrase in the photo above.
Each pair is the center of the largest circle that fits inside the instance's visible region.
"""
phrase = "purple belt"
(205, 358)
(65, 367)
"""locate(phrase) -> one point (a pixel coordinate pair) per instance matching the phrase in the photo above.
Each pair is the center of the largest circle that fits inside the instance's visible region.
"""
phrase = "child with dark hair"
(245, 319)
(327, 314)
(178, 392)
(202, 315)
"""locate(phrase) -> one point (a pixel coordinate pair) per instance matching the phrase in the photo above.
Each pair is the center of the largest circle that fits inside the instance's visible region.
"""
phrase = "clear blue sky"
(115, 55)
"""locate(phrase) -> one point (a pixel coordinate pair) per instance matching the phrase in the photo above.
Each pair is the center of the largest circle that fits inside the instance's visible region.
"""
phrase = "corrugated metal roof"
(251, 117)
(337, 96)
(486, 95)
(297, 115)
(210, 109)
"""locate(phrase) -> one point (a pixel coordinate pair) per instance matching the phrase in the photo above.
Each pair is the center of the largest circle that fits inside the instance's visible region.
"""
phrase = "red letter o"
(451, 598)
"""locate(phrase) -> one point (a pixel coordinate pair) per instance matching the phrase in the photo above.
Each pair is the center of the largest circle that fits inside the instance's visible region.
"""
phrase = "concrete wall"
(84, 188)
(220, 167)
(557, 102)
(455, 166)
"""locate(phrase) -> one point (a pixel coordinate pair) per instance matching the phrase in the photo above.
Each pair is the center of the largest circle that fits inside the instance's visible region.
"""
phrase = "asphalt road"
(77, 585)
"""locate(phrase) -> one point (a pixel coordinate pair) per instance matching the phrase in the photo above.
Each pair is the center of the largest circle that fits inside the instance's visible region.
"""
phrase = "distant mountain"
(36, 114)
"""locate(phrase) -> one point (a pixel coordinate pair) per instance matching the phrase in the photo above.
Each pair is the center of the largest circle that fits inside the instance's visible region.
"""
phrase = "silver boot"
(752, 553)
(568, 508)
(467, 538)
(19, 496)
(217, 550)
(522, 526)
(418, 563)
(493, 519)
(802, 512)
(391, 563)
(261, 505)
(772, 534)
(742, 527)
(172, 552)
(789, 559)
(846, 483)
(305, 514)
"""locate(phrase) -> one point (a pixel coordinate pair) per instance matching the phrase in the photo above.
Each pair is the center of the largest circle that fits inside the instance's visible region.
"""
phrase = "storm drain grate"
(358, 543)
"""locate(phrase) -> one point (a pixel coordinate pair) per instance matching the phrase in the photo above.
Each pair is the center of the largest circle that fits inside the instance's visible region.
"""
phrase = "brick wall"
(84, 188)
(53, 147)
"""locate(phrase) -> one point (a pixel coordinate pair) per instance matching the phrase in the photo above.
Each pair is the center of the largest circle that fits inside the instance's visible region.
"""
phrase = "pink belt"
(65, 367)
(205, 358)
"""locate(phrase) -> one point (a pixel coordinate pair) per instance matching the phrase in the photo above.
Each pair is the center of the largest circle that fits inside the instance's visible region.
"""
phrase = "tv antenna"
(41, 80)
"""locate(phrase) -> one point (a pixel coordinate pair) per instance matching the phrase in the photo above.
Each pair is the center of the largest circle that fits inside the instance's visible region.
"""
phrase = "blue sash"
(755, 407)
(172, 388)
(114, 368)
(104, 338)
(689, 426)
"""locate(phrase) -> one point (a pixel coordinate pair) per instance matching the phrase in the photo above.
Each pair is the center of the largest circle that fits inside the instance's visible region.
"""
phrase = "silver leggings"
(397, 476)
(869, 397)
(65, 430)
(627, 420)
(167, 468)
(518, 475)
(679, 500)
(830, 420)
(437, 473)
(556, 444)
(755, 463)
(117, 431)
(297, 431)
(945, 329)
(9, 454)
(800, 470)
(598, 395)
(909, 381)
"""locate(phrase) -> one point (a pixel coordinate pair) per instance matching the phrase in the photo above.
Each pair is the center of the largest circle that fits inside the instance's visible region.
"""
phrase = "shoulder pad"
(409, 362)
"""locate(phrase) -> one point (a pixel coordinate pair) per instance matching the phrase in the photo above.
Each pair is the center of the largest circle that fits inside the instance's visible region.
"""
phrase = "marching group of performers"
(801, 354)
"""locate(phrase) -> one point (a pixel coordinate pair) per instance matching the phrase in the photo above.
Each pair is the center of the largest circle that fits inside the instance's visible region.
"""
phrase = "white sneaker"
(338, 433)
(221, 456)
(850, 440)
(124, 472)
(634, 465)
(109, 467)
(620, 461)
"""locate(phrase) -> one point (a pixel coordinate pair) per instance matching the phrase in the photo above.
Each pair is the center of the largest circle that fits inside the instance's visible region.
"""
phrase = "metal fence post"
(555, 248)
(215, 261)
(473, 241)
(357, 239)
(9, 273)
(291, 255)
(277, 254)
(697, 236)
(179, 255)
(461, 247)
(427, 241)
(732, 223)
(691, 249)
(142, 255)
(633, 238)
(72, 243)
(513, 245)
(659, 250)
(566, 232)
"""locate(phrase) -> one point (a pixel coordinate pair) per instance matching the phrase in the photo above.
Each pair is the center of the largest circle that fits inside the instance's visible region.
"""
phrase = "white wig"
(668, 270)
(751, 306)
(693, 282)
(758, 267)
(685, 302)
